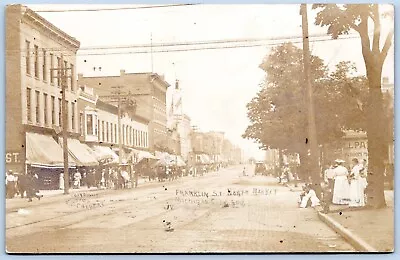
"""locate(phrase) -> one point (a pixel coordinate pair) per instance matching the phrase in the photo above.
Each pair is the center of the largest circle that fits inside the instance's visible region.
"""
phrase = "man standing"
(329, 176)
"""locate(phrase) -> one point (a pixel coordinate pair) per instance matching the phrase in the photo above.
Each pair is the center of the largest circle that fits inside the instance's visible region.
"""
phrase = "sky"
(216, 84)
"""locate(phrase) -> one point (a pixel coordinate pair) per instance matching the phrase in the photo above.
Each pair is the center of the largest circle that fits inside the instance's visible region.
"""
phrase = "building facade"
(99, 123)
(35, 49)
(147, 90)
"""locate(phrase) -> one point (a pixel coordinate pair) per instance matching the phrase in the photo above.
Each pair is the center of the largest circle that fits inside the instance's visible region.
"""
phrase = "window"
(81, 123)
(37, 108)
(28, 58)
(51, 68)
(58, 71)
(115, 133)
(66, 73)
(97, 130)
(36, 65)
(96, 126)
(107, 132)
(89, 124)
(53, 110)
(28, 105)
(145, 140)
(135, 133)
(73, 115)
(102, 130)
(139, 139)
(72, 77)
(111, 133)
(44, 66)
(123, 134)
(59, 111)
(45, 108)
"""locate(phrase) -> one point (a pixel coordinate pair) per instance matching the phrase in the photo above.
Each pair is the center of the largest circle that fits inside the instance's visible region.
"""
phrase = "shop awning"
(178, 161)
(82, 153)
(43, 150)
(145, 155)
(205, 158)
(105, 154)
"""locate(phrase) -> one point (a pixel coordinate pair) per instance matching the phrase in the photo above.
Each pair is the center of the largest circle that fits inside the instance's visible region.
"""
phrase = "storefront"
(44, 156)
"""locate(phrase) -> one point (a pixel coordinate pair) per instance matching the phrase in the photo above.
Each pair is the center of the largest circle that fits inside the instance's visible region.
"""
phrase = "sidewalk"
(357, 225)
(364, 222)
(51, 196)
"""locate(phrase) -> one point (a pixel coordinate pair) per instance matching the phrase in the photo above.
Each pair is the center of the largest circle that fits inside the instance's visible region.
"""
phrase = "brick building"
(34, 47)
(148, 90)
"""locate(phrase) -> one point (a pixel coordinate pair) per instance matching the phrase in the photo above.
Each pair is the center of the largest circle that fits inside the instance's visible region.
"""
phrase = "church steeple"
(177, 84)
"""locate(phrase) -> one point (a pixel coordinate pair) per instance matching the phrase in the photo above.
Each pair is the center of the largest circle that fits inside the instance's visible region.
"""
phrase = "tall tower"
(177, 100)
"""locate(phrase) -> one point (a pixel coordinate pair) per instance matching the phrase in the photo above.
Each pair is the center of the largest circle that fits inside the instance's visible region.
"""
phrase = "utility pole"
(312, 133)
(120, 145)
(62, 75)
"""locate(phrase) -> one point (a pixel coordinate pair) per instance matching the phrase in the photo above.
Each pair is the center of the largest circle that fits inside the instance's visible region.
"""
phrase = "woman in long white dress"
(357, 185)
(341, 190)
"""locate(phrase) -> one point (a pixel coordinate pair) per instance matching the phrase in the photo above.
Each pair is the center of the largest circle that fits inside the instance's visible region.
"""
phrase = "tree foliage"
(340, 19)
(278, 113)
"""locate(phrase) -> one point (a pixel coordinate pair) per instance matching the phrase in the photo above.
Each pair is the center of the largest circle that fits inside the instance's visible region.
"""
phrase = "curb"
(354, 240)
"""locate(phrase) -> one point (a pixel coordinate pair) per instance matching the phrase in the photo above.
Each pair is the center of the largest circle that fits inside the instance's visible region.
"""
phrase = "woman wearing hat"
(357, 185)
(341, 190)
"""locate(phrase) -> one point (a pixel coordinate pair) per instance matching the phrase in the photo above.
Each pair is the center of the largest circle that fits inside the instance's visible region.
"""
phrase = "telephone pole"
(312, 132)
(62, 76)
(118, 93)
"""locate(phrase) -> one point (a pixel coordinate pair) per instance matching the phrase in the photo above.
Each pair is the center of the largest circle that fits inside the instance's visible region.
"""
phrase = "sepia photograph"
(199, 128)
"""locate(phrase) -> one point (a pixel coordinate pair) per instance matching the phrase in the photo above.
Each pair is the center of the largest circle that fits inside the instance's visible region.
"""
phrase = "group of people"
(25, 185)
(343, 187)
(348, 186)
(287, 175)
(104, 178)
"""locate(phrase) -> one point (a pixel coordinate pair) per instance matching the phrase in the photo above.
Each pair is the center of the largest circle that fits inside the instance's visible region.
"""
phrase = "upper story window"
(53, 110)
(59, 111)
(44, 65)
(28, 57)
(36, 64)
(37, 108)
(28, 105)
(58, 71)
(45, 108)
(89, 124)
(72, 81)
(73, 115)
(51, 68)
(81, 123)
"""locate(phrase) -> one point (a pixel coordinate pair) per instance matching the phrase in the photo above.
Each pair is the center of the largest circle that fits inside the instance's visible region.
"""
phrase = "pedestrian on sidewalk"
(329, 177)
(10, 184)
(77, 179)
(33, 187)
(341, 190)
(61, 181)
(357, 185)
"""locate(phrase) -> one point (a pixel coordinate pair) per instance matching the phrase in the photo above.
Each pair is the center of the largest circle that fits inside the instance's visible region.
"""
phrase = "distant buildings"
(147, 91)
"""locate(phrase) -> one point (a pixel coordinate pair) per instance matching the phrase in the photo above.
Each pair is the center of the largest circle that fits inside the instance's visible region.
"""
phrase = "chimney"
(122, 72)
(385, 80)
(177, 84)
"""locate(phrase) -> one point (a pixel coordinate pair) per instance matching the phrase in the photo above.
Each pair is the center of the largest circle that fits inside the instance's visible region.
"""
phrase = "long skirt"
(341, 191)
(357, 188)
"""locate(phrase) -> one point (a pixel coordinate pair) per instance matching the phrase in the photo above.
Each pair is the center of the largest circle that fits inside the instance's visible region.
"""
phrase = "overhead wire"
(113, 9)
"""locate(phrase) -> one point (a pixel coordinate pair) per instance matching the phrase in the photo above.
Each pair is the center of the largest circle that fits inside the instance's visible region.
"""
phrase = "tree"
(278, 113)
(340, 19)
